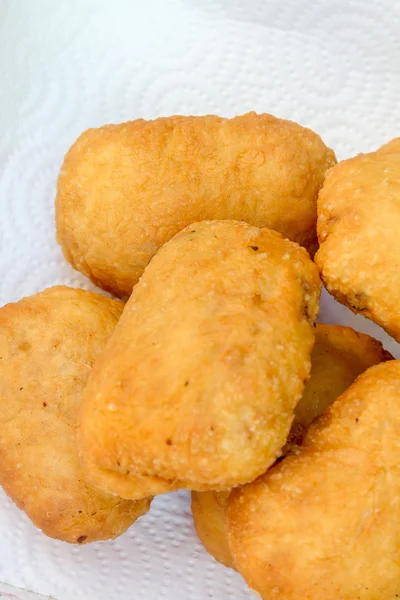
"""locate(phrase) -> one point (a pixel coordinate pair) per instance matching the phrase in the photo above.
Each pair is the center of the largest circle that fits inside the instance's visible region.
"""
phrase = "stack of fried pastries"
(214, 376)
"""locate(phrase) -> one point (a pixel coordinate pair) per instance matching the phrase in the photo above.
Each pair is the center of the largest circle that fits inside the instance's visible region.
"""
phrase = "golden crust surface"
(324, 523)
(124, 190)
(391, 147)
(358, 225)
(48, 344)
(197, 386)
(208, 510)
(339, 356)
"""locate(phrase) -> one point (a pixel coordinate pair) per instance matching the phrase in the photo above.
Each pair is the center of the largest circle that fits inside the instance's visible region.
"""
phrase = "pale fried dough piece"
(324, 523)
(124, 190)
(197, 386)
(358, 225)
(48, 344)
(339, 356)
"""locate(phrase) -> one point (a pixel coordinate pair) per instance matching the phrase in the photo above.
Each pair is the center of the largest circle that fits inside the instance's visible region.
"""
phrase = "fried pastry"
(48, 344)
(197, 386)
(339, 356)
(358, 225)
(324, 522)
(124, 190)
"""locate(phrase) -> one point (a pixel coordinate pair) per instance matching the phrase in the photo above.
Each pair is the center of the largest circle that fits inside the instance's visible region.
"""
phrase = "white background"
(66, 66)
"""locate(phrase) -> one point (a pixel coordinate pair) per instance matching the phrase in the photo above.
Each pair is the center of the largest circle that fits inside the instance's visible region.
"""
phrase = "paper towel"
(67, 66)
(12, 593)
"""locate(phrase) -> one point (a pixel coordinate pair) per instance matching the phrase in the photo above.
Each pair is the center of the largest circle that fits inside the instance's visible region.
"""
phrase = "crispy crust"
(126, 189)
(323, 523)
(358, 225)
(48, 344)
(198, 384)
(208, 510)
(339, 356)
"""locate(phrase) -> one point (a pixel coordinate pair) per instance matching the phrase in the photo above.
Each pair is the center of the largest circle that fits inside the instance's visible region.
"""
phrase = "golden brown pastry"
(358, 225)
(339, 356)
(209, 510)
(48, 344)
(324, 523)
(124, 190)
(197, 386)
(391, 147)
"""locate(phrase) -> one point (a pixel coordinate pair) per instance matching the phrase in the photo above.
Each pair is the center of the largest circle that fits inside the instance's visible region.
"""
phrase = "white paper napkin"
(12, 593)
(66, 66)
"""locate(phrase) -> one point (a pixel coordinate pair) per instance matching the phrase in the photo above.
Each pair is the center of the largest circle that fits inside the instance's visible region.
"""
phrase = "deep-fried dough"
(358, 225)
(124, 190)
(48, 343)
(208, 510)
(339, 356)
(390, 147)
(324, 523)
(198, 384)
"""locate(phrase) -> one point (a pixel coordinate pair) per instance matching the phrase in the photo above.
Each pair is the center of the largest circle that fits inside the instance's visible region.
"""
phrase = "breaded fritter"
(198, 384)
(358, 225)
(339, 356)
(390, 147)
(48, 344)
(324, 523)
(124, 190)
(209, 510)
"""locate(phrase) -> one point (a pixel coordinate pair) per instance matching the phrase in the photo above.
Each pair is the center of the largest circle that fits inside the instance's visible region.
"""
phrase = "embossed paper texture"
(68, 66)
(12, 593)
